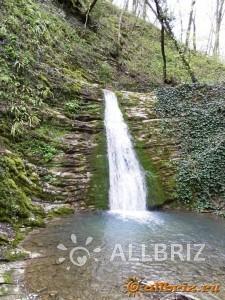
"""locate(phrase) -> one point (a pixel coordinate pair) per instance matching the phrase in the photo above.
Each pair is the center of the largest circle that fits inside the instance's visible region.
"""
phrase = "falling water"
(127, 191)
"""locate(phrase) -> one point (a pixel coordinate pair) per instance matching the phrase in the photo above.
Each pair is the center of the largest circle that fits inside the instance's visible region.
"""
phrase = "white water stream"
(127, 192)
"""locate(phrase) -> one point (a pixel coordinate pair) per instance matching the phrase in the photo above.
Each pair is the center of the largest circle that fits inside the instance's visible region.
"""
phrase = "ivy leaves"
(199, 110)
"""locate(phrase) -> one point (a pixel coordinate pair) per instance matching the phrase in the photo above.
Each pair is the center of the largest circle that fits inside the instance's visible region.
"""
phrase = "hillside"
(52, 72)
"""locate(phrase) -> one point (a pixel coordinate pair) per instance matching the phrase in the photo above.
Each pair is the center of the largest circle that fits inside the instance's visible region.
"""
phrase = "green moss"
(99, 185)
(15, 255)
(3, 291)
(36, 220)
(18, 237)
(156, 195)
(14, 202)
(62, 211)
(38, 150)
(8, 277)
(50, 131)
(15, 187)
(3, 239)
(72, 107)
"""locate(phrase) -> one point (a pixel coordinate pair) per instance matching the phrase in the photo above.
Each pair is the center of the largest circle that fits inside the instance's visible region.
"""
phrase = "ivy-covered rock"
(199, 111)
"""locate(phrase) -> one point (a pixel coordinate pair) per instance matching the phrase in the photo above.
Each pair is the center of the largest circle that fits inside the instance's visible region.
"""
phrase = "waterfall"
(127, 192)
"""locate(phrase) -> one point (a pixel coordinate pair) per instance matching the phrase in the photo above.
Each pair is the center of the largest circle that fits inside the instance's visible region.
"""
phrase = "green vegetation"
(154, 157)
(156, 195)
(200, 131)
(99, 186)
(16, 184)
(8, 277)
(3, 291)
(51, 132)
(3, 239)
(62, 211)
(40, 150)
(48, 67)
(72, 106)
(15, 255)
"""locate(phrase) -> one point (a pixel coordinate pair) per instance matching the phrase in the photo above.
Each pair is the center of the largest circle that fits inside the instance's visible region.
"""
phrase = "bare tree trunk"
(90, 8)
(181, 23)
(163, 53)
(190, 22)
(135, 6)
(92, 5)
(181, 53)
(144, 10)
(126, 6)
(163, 18)
(119, 44)
(194, 33)
(160, 18)
(209, 43)
(119, 27)
(75, 7)
(152, 9)
(219, 18)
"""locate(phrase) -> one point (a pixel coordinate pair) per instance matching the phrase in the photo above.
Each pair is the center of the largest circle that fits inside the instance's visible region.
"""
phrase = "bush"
(72, 106)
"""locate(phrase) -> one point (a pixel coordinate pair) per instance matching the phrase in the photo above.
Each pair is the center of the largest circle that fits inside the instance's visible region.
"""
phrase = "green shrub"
(72, 106)
(105, 73)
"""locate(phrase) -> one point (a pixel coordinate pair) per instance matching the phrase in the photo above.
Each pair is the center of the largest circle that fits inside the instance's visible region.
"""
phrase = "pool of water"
(92, 255)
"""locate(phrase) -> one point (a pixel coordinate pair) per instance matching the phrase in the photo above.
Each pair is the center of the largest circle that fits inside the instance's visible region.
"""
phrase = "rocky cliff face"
(179, 137)
(61, 165)
(156, 150)
(74, 172)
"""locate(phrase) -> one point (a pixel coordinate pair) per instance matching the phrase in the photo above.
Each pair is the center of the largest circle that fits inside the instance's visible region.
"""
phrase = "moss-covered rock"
(99, 184)
(61, 211)
(178, 134)
(154, 148)
(16, 188)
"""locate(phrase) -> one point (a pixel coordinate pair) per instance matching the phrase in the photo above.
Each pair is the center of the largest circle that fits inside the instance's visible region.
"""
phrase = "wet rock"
(85, 118)
(92, 93)
(91, 207)
(42, 290)
(2, 279)
(3, 238)
(52, 207)
(53, 295)
(6, 233)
